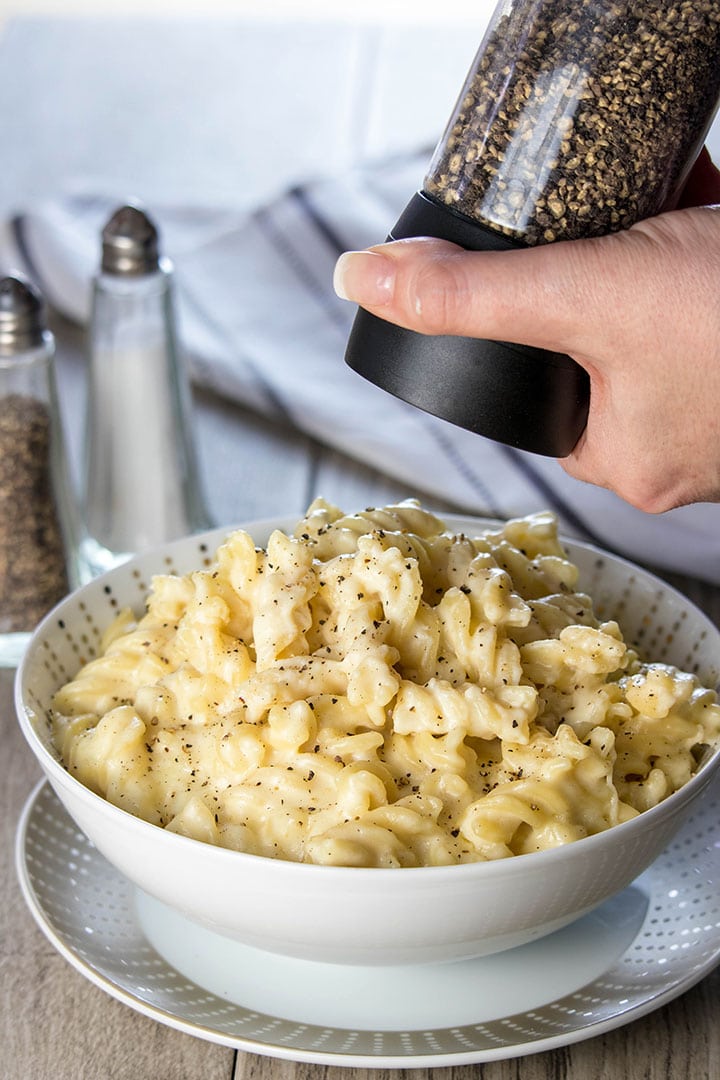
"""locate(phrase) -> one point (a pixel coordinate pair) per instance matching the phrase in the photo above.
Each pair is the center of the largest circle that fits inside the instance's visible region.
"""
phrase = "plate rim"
(445, 1058)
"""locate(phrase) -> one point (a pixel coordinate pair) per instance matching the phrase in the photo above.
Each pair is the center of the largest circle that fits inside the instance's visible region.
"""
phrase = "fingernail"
(365, 277)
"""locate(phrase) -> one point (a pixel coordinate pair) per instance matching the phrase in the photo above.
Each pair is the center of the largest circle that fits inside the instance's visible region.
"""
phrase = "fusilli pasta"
(373, 690)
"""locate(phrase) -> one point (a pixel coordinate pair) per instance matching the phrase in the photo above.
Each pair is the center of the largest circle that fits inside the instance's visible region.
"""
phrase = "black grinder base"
(524, 397)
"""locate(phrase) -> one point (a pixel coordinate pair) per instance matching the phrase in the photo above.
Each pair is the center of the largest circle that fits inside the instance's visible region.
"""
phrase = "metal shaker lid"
(22, 315)
(130, 243)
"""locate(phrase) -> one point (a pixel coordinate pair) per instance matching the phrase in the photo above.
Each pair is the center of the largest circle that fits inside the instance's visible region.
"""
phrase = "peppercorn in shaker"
(141, 484)
(577, 119)
(37, 512)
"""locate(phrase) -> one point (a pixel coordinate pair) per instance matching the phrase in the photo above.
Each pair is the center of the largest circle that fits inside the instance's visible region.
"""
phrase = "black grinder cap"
(524, 397)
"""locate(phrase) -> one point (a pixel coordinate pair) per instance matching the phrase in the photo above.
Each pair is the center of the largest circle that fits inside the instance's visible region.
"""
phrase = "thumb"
(553, 296)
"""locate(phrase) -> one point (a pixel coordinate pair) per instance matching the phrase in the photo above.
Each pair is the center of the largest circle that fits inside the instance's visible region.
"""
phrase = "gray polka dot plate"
(639, 950)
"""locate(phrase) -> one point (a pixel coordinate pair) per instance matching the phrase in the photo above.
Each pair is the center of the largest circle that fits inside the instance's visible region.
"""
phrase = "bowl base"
(396, 997)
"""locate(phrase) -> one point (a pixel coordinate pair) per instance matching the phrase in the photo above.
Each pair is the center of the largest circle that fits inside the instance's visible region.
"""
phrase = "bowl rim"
(55, 771)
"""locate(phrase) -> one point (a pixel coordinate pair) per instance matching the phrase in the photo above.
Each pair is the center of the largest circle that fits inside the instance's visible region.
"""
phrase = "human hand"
(637, 309)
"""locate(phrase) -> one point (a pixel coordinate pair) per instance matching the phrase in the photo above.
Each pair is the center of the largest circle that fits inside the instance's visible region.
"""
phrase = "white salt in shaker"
(141, 485)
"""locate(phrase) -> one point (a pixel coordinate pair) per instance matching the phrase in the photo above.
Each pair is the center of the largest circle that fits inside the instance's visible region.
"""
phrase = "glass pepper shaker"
(141, 485)
(38, 522)
(578, 118)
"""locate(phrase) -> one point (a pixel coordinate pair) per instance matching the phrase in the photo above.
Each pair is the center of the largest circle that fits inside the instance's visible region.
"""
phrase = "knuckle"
(437, 297)
(648, 500)
(640, 487)
(635, 495)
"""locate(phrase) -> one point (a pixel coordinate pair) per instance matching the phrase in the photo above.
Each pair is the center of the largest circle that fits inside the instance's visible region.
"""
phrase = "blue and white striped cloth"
(261, 325)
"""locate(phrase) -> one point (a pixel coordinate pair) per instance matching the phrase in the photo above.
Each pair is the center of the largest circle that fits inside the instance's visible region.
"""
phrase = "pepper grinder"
(141, 485)
(578, 118)
(38, 515)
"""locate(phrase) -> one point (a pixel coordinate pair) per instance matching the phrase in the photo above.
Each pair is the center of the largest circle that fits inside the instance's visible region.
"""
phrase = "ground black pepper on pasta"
(33, 574)
(579, 118)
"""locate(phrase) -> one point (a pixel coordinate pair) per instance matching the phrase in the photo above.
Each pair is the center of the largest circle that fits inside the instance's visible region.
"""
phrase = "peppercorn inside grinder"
(577, 119)
(38, 515)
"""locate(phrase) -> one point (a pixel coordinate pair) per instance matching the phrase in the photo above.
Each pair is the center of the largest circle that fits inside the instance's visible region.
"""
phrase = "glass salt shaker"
(38, 516)
(578, 118)
(141, 485)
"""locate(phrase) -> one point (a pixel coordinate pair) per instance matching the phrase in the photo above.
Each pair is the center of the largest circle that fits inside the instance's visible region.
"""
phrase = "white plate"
(635, 953)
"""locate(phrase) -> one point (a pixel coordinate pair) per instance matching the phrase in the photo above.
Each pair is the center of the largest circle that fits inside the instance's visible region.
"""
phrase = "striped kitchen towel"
(260, 324)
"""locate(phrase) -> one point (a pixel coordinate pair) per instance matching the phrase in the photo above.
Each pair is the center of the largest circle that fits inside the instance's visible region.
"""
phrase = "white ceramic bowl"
(347, 914)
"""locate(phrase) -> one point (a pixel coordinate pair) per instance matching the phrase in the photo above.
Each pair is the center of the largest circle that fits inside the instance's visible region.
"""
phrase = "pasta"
(372, 690)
